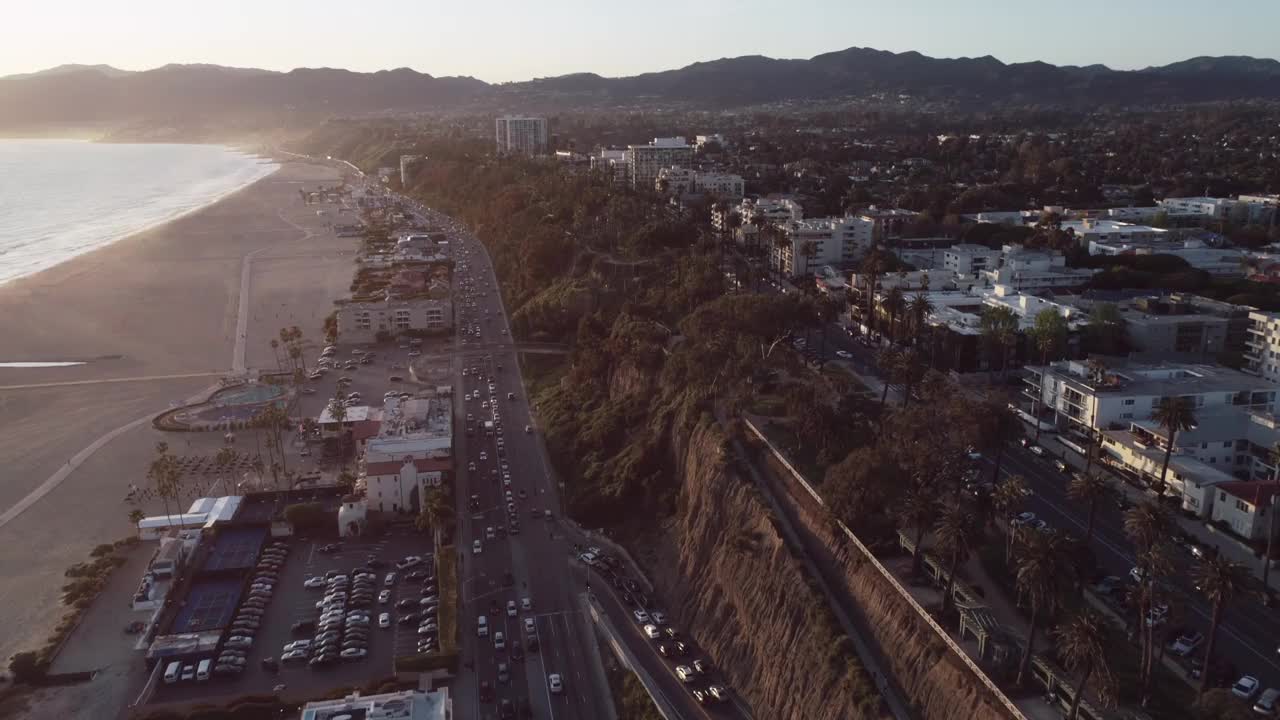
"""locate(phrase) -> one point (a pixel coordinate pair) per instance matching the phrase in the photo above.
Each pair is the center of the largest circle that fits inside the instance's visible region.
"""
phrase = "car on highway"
(555, 684)
(652, 632)
(476, 547)
(844, 354)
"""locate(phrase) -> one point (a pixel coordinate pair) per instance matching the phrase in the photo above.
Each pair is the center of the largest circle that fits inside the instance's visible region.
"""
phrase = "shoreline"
(160, 308)
(172, 216)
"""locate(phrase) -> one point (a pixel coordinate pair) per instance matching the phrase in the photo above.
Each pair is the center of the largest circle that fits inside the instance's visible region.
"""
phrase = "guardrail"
(903, 594)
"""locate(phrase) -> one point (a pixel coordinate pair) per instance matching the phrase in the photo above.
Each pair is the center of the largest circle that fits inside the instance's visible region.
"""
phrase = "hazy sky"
(501, 40)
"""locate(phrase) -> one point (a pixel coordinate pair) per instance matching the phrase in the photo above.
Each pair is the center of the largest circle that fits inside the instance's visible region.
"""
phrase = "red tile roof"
(1254, 492)
(365, 429)
(392, 467)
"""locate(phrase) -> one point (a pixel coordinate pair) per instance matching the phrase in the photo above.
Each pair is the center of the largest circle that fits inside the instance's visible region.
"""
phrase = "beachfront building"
(521, 135)
(366, 321)
(644, 162)
(403, 705)
(412, 452)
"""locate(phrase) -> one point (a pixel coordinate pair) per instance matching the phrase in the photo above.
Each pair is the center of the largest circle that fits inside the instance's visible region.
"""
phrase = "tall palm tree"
(1088, 489)
(1219, 581)
(872, 266)
(275, 350)
(889, 361)
(1147, 526)
(917, 510)
(999, 328)
(955, 531)
(224, 459)
(1007, 498)
(1082, 643)
(895, 302)
(918, 310)
(1042, 573)
(1173, 414)
(1048, 334)
(436, 511)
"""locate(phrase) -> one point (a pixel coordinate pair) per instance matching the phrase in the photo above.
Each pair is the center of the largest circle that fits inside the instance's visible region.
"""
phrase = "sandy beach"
(159, 304)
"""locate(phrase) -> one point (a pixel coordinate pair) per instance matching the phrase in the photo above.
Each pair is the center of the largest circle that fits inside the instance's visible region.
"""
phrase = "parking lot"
(291, 602)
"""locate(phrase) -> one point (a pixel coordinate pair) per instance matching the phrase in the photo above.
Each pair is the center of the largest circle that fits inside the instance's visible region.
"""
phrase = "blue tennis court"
(235, 548)
(209, 606)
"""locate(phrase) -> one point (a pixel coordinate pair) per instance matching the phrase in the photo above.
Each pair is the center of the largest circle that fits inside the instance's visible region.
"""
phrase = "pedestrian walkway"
(1231, 548)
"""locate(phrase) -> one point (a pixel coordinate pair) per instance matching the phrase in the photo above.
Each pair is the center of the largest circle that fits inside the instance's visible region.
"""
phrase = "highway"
(533, 564)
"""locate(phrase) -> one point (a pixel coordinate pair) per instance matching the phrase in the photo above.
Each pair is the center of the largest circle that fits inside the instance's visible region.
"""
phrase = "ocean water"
(62, 198)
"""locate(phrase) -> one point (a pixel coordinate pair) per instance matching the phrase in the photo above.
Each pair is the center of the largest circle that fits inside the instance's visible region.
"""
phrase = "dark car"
(406, 603)
(506, 710)
(375, 563)
(532, 645)
(516, 653)
(626, 598)
(486, 692)
(408, 619)
(271, 664)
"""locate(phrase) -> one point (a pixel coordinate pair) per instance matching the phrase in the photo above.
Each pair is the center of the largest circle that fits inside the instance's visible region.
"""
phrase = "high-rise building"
(644, 162)
(521, 135)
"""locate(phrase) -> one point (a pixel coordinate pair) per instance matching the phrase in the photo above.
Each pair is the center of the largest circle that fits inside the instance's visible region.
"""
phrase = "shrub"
(102, 550)
(28, 668)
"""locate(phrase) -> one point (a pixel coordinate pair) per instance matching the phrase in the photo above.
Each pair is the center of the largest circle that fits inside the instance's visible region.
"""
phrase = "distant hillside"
(180, 94)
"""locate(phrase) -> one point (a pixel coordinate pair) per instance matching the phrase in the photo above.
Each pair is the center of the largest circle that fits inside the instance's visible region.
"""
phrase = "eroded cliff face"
(725, 573)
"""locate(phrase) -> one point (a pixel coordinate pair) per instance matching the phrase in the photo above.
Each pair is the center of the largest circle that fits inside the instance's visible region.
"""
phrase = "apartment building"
(1185, 327)
(613, 164)
(1243, 507)
(684, 181)
(1089, 397)
(1088, 230)
(521, 135)
(751, 212)
(1033, 270)
(808, 244)
(1262, 346)
(360, 321)
(967, 259)
(644, 162)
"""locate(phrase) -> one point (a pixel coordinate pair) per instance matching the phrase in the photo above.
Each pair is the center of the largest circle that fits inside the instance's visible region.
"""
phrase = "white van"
(482, 626)
(202, 671)
(172, 672)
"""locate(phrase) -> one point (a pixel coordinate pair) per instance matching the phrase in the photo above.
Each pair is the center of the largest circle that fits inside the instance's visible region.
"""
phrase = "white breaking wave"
(63, 198)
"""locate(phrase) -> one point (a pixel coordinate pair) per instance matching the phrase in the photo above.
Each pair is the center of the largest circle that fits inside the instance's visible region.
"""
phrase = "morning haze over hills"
(103, 94)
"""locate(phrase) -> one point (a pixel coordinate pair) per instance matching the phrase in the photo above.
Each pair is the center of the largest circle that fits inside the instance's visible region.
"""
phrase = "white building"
(1206, 207)
(684, 181)
(1031, 270)
(361, 321)
(699, 141)
(404, 705)
(521, 135)
(967, 259)
(412, 453)
(1089, 230)
(809, 244)
(776, 211)
(612, 163)
(1243, 506)
(1262, 347)
(1088, 397)
(645, 161)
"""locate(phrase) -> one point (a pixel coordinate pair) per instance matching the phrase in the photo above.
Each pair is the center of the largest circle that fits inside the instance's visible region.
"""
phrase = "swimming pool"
(252, 394)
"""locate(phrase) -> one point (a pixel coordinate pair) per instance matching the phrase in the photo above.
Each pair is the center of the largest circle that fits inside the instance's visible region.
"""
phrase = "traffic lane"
(1251, 650)
(661, 671)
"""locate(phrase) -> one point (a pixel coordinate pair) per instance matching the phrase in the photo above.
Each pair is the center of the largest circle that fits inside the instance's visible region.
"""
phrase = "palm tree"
(917, 510)
(999, 328)
(1007, 498)
(1174, 415)
(1048, 334)
(956, 532)
(1041, 575)
(872, 266)
(1219, 581)
(436, 511)
(275, 346)
(889, 361)
(895, 302)
(1147, 526)
(918, 310)
(1082, 643)
(1088, 489)
(225, 458)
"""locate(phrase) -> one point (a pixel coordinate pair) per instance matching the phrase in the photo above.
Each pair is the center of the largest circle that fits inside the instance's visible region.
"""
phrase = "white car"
(526, 604)
(511, 608)
(641, 616)
(844, 354)
(390, 579)
(384, 597)
(499, 641)
(652, 632)
(314, 582)
(1246, 687)
(384, 620)
(529, 626)
(685, 673)
(555, 684)
(476, 548)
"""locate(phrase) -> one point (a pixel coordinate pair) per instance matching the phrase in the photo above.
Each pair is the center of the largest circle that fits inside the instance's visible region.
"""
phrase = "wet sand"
(157, 304)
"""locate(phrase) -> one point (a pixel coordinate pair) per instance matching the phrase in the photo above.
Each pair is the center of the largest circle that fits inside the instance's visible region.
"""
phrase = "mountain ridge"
(177, 92)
